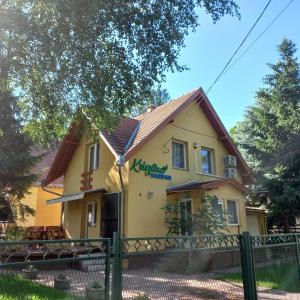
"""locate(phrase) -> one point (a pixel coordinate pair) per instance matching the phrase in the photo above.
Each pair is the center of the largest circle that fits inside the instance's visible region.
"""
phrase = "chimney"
(151, 108)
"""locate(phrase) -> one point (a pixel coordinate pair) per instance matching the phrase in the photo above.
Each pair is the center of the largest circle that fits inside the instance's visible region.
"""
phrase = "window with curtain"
(92, 214)
(232, 211)
(179, 155)
(206, 160)
(94, 156)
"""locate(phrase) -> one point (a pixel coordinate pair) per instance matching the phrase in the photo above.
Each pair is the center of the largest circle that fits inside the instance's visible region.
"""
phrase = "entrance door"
(109, 214)
(185, 209)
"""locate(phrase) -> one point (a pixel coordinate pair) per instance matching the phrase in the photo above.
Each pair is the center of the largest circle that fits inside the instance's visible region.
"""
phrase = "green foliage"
(269, 137)
(203, 222)
(158, 96)
(16, 158)
(16, 233)
(14, 287)
(104, 56)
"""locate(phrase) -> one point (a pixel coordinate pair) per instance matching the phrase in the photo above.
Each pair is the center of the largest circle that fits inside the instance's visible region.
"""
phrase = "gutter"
(120, 163)
(49, 191)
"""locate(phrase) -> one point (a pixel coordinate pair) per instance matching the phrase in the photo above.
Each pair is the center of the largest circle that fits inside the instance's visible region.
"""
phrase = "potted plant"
(30, 272)
(95, 291)
(62, 282)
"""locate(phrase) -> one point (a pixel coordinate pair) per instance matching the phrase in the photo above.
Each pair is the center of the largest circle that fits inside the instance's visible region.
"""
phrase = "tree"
(158, 96)
(104, 56)
(269, 135)
(283, 199)
(203, 222)
(16, 160)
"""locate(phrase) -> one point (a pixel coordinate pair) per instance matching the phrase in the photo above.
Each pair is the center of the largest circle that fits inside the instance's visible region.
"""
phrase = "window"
(217, 208)
(91, 214)
(206, 159)
(94, 156)
(179, 155)
(232, 208)
(185, 209)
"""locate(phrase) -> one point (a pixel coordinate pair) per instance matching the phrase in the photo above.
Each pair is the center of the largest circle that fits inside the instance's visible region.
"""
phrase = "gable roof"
(133, 133)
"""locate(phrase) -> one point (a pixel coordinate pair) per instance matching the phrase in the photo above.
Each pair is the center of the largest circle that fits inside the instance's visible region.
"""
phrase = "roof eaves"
(196, 94)
(132, 137)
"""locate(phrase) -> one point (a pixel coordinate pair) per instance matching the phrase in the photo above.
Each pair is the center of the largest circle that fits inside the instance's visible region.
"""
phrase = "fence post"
(116, 268)
(107, 269)
(297, 254)
(249, 283)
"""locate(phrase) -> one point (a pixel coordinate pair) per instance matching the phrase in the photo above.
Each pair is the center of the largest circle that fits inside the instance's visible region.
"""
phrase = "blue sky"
(209, 48)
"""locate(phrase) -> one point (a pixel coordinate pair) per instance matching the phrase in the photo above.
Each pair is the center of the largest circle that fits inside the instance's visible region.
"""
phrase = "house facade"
(176, 152)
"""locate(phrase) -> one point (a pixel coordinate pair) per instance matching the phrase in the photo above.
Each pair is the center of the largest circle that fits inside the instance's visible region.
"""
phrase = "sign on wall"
(153, 170)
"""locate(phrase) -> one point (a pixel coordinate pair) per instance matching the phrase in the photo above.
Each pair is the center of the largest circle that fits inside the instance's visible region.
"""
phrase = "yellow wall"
(48, 215)
(45, 215)
(191, 126)
(144, 215)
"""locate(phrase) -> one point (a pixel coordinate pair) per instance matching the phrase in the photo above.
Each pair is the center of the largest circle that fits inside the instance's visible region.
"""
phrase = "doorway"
(109, 214)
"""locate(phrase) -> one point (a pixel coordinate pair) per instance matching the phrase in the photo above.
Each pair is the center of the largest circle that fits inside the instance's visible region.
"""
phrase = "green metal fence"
(195, 267)
(75, 268)
(176, 267)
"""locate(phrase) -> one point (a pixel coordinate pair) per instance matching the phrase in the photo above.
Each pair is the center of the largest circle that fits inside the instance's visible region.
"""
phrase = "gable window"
(91, 214)
(185, 209)
(206, 161)
(179, 155)
(217, 206)
(233, 215)
(94, 156)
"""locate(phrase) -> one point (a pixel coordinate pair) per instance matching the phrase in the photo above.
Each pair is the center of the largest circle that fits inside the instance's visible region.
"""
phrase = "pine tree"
(16, 160)
(269, 135)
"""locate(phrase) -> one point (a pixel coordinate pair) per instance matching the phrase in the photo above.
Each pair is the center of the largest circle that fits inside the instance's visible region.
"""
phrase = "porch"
(90, 214)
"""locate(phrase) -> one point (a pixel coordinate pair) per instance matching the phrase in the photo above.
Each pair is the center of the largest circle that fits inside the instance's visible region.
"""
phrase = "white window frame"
(96, 153)
(237, 212)
(211, 160)
(221, 201)
(185, 200)
(94, 215)
(184, 154)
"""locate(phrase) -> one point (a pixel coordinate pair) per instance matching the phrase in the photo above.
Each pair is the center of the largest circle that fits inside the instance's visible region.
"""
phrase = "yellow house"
(174, 152)
(37, 196)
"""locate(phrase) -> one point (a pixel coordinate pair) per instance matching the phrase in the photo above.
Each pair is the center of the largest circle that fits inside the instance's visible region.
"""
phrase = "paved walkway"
(165, 286)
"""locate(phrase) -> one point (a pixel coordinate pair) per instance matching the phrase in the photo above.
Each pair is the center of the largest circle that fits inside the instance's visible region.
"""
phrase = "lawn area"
(281, 276)
(14, 287)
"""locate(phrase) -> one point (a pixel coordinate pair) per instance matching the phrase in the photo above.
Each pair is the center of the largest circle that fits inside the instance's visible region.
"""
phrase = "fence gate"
(76, 268)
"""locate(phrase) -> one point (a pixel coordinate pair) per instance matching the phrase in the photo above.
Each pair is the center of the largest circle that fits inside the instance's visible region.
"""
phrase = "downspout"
(56, 194)
(120, 163)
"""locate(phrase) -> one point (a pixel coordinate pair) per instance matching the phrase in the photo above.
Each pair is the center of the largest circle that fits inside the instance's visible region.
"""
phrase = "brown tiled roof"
(133, 133)
(119, 138)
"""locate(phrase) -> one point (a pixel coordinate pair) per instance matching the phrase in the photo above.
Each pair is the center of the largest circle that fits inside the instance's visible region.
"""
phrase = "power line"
(241, 44)
(252, 44)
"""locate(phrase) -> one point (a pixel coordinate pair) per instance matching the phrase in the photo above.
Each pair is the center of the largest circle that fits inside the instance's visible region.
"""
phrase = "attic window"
(94, 156)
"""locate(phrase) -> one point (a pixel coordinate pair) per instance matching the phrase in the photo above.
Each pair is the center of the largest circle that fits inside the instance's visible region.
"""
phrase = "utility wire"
(239, 47)
(252, 44)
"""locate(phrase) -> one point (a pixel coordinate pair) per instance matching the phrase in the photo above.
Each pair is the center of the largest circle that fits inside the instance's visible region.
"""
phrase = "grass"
(281, 276)
(14, 287)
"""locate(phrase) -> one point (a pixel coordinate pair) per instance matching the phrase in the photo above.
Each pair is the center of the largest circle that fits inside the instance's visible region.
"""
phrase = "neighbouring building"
(121, 181)
(36, 197)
